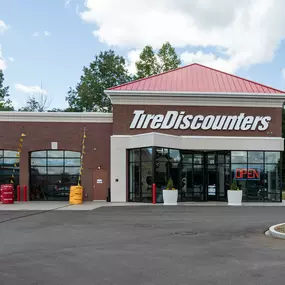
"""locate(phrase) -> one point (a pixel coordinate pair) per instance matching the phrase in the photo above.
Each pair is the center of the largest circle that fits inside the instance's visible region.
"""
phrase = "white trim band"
(57, 117)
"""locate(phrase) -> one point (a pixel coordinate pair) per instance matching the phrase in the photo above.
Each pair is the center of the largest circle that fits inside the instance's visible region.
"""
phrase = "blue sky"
(51, 40)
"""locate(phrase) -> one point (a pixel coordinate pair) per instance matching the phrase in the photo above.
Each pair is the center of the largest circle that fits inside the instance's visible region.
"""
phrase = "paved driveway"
(142, 245)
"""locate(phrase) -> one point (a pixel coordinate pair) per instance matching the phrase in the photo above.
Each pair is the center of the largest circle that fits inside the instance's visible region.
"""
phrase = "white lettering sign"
(181, 121)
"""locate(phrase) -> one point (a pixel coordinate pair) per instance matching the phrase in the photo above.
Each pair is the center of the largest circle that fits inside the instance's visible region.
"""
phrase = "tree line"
(106, 70)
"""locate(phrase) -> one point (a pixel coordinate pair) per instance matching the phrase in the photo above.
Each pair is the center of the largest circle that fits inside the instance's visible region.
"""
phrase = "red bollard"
(153, 193)
(18, 193)
(25, 193)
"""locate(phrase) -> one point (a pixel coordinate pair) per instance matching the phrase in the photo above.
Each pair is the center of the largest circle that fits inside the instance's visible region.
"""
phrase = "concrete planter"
(170, 197)
(275, 233)
(234, 197)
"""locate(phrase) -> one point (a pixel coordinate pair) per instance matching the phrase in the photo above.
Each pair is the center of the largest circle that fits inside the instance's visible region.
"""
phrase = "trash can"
(7, 194)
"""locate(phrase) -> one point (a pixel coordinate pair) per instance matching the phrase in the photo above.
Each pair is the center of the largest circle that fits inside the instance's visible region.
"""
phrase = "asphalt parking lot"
(142, 245)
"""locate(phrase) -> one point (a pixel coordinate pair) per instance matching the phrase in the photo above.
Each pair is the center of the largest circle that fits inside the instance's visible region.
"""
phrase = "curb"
(275, 233)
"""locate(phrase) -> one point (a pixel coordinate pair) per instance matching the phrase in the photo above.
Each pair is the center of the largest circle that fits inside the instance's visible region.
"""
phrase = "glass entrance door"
(205, 176)
(217, 175)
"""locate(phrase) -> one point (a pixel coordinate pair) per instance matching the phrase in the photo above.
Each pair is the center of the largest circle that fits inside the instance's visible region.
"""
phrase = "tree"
(5, 102)
(168, 58)
(151, 64)
(34, 105)
(107, 70)
(148, 64)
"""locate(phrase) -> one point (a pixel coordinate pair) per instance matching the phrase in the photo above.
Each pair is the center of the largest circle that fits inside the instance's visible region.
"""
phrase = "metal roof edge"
(198, 94)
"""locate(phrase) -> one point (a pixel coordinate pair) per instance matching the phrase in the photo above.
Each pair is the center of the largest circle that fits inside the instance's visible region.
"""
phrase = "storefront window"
(272, 181)
(9, 168)
(205, 175)
(255, 157)
(239, 157)
(140, 175)
(52, 173)
(272, 157)
(135, 155)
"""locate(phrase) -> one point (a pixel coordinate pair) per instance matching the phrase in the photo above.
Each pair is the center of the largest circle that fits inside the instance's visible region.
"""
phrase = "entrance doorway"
(205, 176)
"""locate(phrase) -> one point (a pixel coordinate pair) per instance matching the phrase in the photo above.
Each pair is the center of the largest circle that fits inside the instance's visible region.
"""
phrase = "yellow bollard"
(76, 195)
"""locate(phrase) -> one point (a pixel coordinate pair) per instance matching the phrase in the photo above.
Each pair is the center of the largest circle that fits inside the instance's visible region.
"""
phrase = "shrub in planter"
(234, 195)
(170, 194)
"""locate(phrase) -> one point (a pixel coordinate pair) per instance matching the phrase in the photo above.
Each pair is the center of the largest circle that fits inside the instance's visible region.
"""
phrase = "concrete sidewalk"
(89, 206)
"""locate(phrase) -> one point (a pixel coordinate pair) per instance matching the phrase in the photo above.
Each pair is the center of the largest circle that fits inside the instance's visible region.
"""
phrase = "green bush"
(169, 184)
(234, 185)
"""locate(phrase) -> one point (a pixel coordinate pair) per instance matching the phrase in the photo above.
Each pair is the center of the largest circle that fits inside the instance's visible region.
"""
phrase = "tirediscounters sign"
(182, 121)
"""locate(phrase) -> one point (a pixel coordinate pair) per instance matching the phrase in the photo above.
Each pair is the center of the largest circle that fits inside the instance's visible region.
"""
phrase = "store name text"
(181, 121)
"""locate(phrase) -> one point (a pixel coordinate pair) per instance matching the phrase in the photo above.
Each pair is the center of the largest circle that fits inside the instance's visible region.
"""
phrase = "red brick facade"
(69, 136)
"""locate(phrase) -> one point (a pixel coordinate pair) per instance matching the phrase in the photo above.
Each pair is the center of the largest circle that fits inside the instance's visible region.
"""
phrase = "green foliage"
(234, 185)
(107, 70)
(168, 58)
(148, 64)
(170, 184)
(34, 105)
(5, 102)
(151, 64)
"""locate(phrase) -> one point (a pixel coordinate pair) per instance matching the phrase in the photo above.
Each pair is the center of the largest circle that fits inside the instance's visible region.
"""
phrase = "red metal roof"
(196, 78)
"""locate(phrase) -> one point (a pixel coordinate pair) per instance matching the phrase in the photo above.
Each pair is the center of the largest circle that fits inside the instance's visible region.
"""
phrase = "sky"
(44, 44)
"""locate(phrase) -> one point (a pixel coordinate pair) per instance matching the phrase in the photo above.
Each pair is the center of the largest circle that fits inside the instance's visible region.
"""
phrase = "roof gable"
(196, 78)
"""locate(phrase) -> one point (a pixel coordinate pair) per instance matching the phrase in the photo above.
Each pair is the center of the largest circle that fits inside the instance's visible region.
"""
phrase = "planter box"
(234, 197)
(170, 197)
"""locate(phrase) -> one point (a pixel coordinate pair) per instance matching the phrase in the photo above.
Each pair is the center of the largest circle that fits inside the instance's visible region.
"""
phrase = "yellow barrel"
(76, 195)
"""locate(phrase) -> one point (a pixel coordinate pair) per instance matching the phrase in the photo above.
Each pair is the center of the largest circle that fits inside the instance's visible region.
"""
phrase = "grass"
(283, 195)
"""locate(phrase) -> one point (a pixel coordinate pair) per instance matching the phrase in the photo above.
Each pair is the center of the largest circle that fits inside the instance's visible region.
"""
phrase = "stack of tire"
(76, 195)
(7, 194)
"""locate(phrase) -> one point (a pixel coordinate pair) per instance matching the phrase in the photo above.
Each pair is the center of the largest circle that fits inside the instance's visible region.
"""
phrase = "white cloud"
(2, 60)
(47, 33)
(67, 3)
(3, 27)
(12, 59)
(132, 57)
(247, 31)
(35, 89)
(36, 34)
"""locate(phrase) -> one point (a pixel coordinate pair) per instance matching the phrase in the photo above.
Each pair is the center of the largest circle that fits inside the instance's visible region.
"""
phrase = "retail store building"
(199, 126)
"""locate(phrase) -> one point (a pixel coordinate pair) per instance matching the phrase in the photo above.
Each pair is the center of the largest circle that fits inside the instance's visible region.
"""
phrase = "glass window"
(52, 173)
(198, 159)
(10, 160)
(42, 153)
(174, 155)
(211, 158)
(146, 154)
(39, 161)
(55, 153)
(72, 154)
(162, 154)
(272, 157)
(239, 156)
(55, 170)
(38, 170)
(146, 181)
(10, 153)
(272, 182)
(255, 157)
(72, 162)
(135, 155)
(72, 170)
(134, 176)
(55, 161)
(187, 157)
